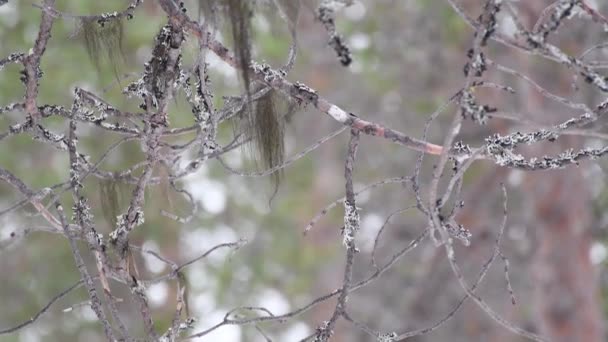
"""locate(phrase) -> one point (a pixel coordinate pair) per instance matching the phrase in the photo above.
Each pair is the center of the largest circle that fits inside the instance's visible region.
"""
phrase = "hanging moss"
(240, 13)
(103, 38)
(109, 195)
(268, 130)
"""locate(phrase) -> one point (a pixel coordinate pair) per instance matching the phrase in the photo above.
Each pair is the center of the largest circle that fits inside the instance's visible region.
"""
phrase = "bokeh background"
(408, 59)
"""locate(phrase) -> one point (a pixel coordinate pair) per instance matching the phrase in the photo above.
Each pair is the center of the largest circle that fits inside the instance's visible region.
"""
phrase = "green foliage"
(272, 46)
(424, 106)
(454, 27)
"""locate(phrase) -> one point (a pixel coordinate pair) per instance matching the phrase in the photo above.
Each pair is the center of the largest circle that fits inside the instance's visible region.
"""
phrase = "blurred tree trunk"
(567, 297)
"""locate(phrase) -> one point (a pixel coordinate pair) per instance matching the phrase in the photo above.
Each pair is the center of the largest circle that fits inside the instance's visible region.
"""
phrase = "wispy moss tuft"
(109, 195)
(103, 38)
(268, 131)
(240, 13)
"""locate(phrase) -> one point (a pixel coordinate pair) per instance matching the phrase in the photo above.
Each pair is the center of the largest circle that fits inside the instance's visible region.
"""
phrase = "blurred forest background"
(408, 59)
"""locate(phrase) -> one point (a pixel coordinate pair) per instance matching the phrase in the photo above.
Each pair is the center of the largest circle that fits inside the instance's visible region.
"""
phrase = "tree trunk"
(567, 297)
